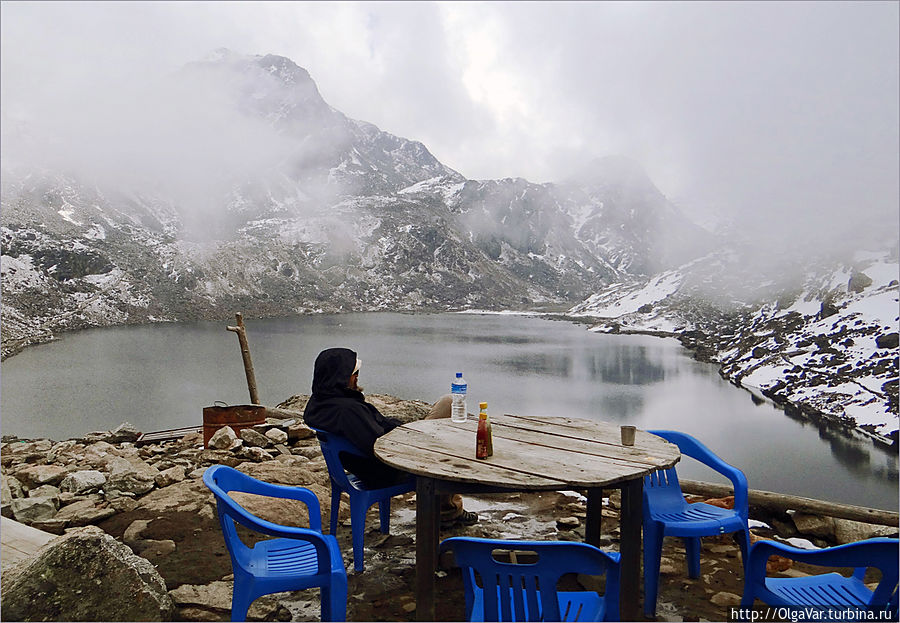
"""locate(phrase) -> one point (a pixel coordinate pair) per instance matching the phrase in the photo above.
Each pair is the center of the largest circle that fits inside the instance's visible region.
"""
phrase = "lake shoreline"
(703, 350)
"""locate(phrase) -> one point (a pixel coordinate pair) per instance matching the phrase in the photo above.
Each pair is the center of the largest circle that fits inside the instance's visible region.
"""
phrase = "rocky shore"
(142, 508)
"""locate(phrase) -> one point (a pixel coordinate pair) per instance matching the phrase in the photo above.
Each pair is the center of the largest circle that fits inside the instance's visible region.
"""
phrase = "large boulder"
(85, 575)
(36, 475)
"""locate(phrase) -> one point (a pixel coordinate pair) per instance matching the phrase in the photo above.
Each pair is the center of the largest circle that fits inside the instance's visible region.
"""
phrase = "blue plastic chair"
(815, 594)
(513, 590)
(361, 497)
(297, 559)
(666, 513)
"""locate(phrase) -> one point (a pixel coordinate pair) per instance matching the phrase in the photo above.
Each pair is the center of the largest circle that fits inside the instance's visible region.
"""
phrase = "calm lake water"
(161, 376)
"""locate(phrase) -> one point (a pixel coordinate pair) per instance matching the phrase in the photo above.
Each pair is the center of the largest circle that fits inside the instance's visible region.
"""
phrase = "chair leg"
(241, 598)
(334, 599)
(743, 538)
(335, 508)
(384, 514)
(692, 549)
(358, 528)
(653, 540)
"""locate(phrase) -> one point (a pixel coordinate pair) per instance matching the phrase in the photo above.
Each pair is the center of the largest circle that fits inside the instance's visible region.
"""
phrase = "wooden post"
(245, 353)
(781, 502)
(427, 537)
(630, 521)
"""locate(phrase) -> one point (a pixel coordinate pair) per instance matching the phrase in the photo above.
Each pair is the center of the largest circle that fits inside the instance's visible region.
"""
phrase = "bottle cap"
(459, 375)
(482, 405)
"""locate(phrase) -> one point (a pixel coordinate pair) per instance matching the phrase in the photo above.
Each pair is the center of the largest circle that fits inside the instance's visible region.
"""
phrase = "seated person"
(338, 406)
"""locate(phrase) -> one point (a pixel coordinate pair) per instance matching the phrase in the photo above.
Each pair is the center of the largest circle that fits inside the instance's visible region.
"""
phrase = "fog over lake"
(161, 376)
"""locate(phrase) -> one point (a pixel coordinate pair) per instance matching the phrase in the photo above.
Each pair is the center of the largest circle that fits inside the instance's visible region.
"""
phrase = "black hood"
(332, 371)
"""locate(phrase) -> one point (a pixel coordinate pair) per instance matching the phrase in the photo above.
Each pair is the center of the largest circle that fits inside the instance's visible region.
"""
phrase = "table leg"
(427, 527)
(594, 514)
(630, 549)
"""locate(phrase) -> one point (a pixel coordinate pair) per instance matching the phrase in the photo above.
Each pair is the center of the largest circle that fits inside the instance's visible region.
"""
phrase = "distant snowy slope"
(825, 344)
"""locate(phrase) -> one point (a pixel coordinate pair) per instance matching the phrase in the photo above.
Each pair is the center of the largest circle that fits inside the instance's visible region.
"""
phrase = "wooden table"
(530, 454)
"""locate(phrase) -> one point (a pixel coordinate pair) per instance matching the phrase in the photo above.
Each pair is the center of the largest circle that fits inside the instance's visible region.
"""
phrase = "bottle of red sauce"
(481, 436)
(484, 443)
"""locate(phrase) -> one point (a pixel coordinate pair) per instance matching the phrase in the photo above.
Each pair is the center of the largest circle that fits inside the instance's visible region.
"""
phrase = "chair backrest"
(332, 446)
(538, 577)
(663, 484)
(881, 553)
(221, 480)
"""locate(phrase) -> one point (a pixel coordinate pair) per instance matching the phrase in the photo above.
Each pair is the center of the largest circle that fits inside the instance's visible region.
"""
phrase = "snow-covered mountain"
(244, 190)
(822, 341)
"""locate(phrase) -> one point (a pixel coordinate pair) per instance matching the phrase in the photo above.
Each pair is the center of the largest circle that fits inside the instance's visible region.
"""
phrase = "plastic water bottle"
(458, 391)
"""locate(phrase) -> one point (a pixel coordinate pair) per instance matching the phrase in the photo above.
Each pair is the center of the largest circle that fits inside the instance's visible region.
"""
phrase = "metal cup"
(628, 435)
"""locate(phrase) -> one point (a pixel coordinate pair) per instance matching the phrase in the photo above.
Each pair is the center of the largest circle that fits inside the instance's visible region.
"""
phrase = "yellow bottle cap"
(482, 405)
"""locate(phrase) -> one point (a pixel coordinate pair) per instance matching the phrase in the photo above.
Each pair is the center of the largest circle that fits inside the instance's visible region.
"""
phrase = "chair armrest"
(880, 553)
(741, 488)
(696, 450)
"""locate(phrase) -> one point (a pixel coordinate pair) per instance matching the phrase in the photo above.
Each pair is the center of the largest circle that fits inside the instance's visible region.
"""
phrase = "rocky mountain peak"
(329, 214)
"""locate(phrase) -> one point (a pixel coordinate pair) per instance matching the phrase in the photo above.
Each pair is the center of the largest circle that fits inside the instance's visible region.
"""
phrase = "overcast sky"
(782, 112)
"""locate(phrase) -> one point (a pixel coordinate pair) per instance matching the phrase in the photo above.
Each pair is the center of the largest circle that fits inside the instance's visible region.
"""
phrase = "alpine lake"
(160, 376)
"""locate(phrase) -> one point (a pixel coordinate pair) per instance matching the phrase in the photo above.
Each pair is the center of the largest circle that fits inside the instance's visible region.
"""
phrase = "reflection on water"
(162, 376)
(624, 366)
(544, 364)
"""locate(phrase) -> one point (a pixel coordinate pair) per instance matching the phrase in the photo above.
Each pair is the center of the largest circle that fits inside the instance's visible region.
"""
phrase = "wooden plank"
(449, 453)
(448, 466)
(648, 451)
(587, 436)
(167, 435)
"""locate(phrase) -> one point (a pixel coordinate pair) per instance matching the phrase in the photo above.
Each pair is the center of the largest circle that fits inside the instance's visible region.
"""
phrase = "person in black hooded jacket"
(338, 406)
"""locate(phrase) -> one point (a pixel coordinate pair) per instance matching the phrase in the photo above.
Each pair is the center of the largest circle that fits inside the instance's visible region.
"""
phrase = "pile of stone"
(53, 486)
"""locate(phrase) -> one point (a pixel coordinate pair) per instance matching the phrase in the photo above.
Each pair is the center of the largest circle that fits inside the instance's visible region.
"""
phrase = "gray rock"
(277, 435)
(216, 597)
(131, 477)
(859, 281)
(255, 438)
(123, 433)
(99, 454)
(568, 523)
(216, 457)
(848, 531)
(299, 431)
(170, 476)
(83, 481)
(5, 497)
(84, 512)
(726, 599)
(85, 575)
(815, 525)
(61, 449)
(149, 548)
(188, 496)
(224, 439)
(889, 340)
(53, 526)
(47, 491)
(15, 486)
(255, 454)
(37, 475)
(134, 531)
(29, 510)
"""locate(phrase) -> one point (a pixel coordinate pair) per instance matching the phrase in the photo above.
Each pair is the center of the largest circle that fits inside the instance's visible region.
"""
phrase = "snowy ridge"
(828, 347)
